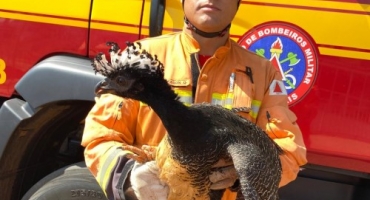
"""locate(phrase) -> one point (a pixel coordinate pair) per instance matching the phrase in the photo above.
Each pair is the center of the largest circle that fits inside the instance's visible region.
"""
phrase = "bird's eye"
(121, 80)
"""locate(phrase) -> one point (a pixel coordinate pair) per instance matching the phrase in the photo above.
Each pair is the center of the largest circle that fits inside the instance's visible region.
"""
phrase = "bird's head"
(129, 71)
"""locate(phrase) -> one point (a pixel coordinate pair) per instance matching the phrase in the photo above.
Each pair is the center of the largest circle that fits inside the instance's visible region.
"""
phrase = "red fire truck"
(321, 48)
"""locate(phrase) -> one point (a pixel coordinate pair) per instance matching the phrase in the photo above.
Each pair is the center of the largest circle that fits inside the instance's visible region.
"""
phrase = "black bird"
(198, 135)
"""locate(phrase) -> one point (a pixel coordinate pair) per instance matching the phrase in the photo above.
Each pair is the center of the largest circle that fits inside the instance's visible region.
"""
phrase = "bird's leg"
(151, 151)
(143, 154)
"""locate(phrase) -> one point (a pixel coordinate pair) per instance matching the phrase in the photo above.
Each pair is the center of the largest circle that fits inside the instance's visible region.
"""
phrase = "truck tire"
(71, 182)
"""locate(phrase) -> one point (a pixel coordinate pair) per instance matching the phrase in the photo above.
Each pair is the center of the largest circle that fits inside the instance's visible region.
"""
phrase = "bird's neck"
(178, 119)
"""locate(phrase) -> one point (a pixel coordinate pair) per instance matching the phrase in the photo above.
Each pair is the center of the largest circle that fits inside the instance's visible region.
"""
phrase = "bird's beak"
(103, 87)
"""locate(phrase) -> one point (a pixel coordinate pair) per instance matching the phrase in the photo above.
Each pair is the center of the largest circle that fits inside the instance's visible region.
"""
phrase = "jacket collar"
(192, 46)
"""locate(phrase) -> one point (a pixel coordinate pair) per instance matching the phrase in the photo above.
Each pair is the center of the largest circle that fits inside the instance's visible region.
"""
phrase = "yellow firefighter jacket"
(232, 77)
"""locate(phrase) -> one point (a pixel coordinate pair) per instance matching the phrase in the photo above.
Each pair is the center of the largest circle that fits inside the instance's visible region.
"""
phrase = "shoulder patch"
(277, 88)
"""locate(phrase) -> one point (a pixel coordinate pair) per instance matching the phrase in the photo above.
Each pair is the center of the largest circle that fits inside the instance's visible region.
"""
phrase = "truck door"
(131, 20)
(114, 20)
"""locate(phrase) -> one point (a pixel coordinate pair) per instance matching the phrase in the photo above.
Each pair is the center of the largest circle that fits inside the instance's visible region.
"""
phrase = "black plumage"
(198, 135)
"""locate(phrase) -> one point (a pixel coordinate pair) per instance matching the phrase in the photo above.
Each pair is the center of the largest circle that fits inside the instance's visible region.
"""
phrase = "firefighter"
(228, 75)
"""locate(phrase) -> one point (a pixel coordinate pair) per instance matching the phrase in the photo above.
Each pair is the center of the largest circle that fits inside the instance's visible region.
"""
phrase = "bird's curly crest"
(133, 57)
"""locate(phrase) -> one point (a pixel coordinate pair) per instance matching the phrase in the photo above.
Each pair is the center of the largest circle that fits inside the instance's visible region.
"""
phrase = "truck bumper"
(12, 113)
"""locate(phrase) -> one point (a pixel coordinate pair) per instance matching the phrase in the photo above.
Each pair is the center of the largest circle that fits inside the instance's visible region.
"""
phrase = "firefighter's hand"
(145, 182)
(223, 176)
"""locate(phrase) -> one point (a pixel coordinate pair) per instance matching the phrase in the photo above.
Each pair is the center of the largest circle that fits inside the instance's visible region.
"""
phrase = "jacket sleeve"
(108, 126)
(279, 122)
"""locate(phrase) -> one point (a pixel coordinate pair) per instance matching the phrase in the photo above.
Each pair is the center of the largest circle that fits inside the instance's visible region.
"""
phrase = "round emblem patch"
(290, 50)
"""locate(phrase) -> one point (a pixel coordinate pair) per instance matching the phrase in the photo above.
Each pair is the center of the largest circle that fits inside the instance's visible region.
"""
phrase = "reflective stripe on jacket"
(233, 77)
